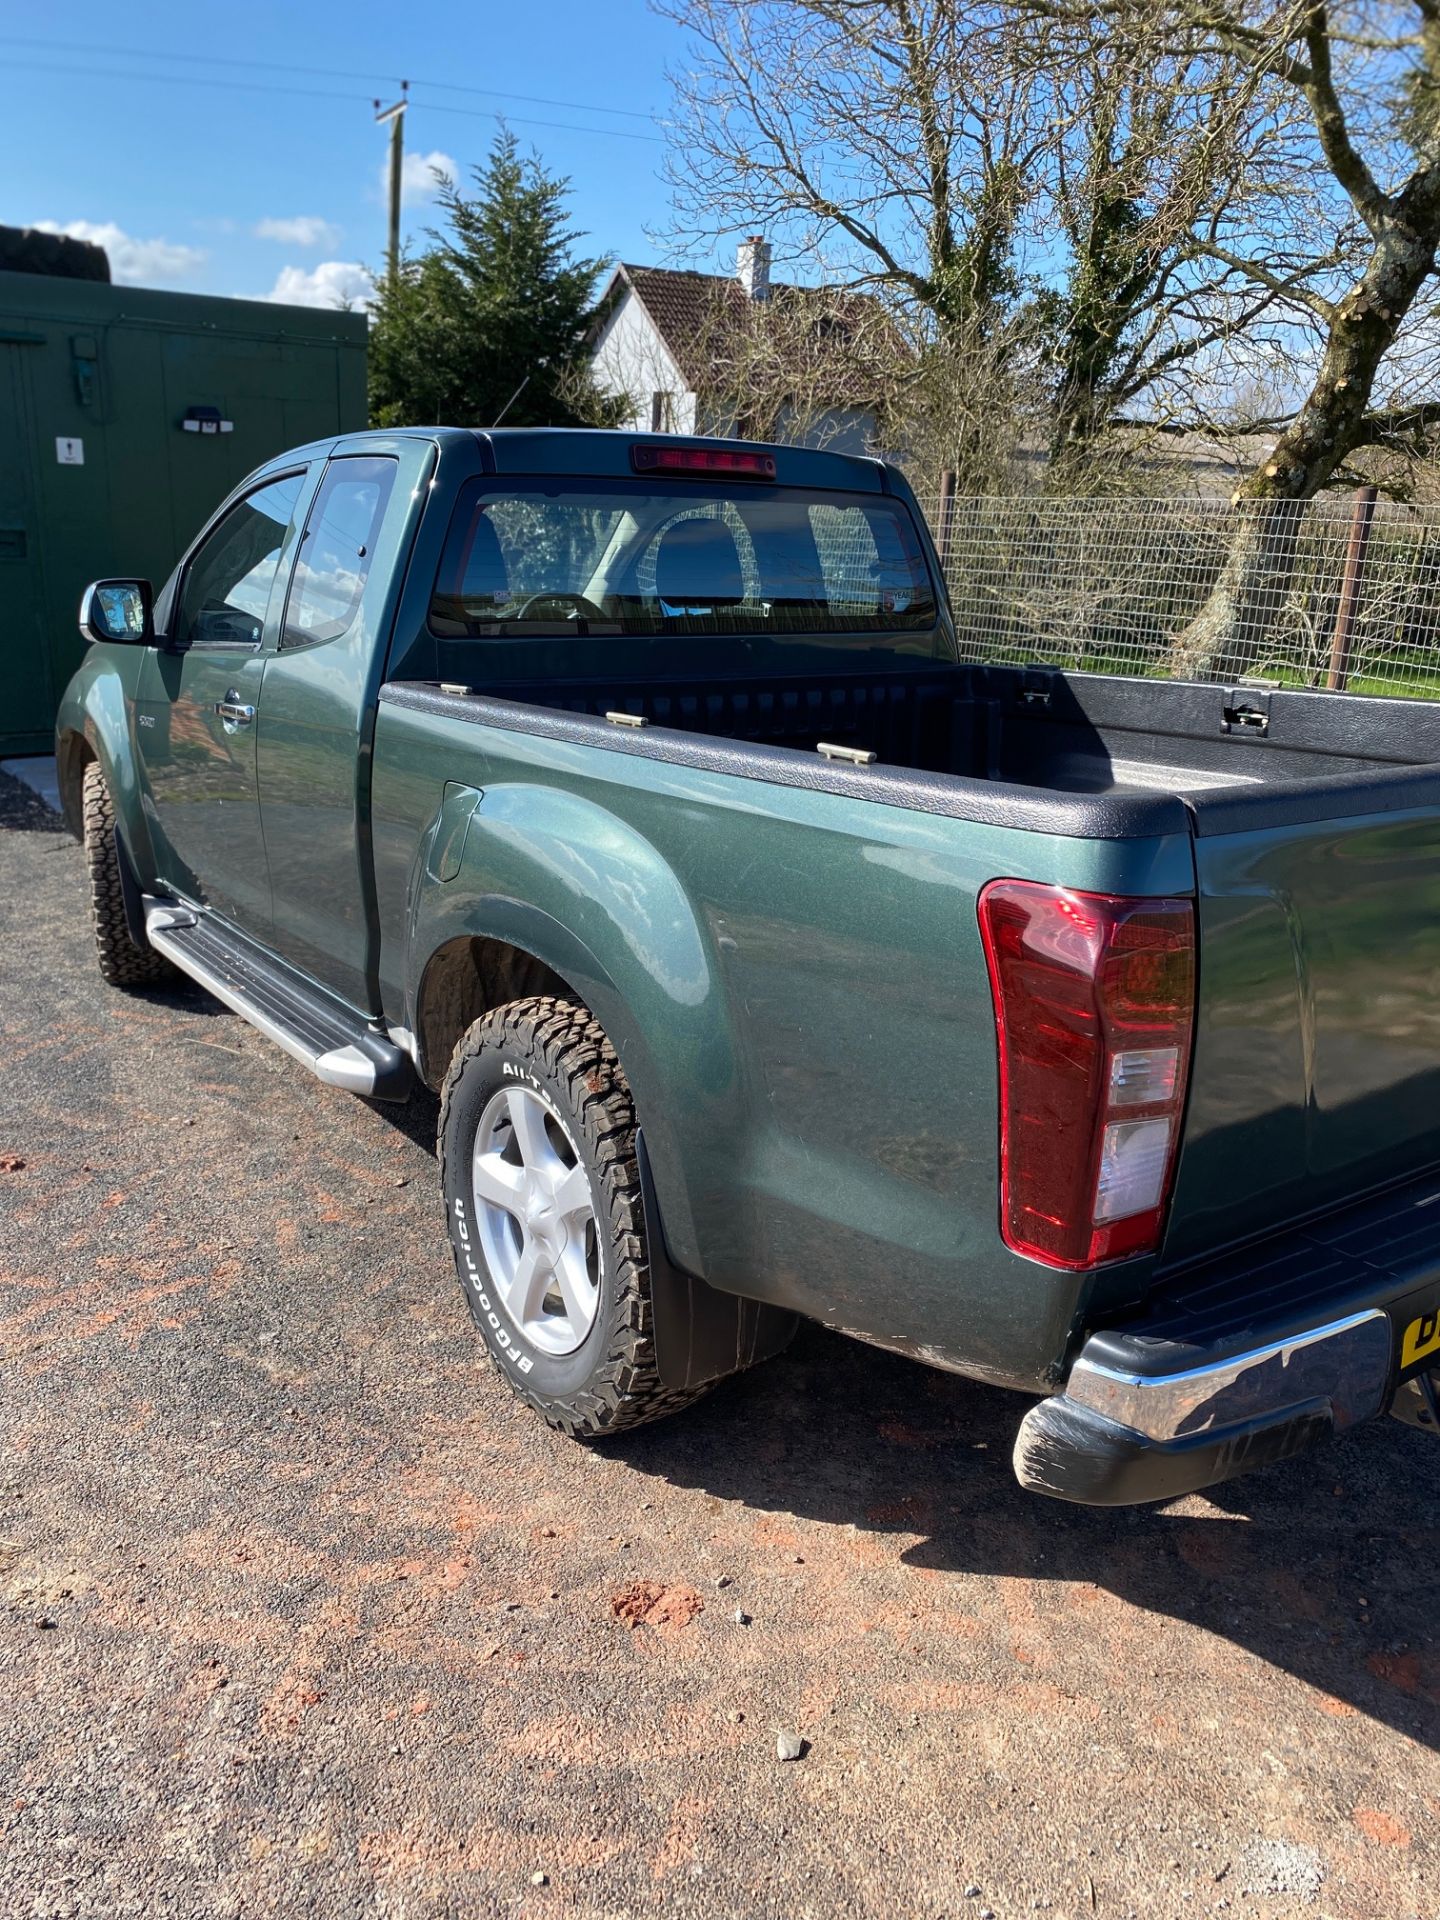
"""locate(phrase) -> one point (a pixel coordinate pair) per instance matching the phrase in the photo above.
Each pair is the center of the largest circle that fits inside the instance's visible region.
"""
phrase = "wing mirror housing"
(119, 612)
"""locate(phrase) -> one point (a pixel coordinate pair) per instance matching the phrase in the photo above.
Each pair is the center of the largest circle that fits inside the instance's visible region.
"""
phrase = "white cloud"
(133, 262)
(417, 177)
(300, 230)
(334, 283)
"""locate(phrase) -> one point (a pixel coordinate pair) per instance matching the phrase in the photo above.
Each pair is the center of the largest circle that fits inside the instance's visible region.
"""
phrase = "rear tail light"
(1094, 1007)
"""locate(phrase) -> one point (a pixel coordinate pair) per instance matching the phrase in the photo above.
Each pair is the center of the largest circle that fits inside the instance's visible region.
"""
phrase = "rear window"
(644, 559)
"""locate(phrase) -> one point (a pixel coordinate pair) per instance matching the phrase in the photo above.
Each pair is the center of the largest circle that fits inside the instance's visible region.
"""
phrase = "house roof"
(682, 306)
(689, 311)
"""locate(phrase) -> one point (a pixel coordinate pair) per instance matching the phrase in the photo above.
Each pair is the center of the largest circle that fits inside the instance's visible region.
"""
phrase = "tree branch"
(1414, 427)
(1341, 155)
(1290, 288)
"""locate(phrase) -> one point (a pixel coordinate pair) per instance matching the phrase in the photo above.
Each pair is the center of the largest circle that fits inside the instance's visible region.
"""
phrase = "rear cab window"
(337, 549)
(598, 559)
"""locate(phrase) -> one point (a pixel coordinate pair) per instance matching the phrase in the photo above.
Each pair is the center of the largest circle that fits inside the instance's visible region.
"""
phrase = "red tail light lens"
(1094, 1008)
(737, 462)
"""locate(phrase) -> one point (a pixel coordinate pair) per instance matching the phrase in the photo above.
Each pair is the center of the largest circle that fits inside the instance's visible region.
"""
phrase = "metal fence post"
(1350, 588)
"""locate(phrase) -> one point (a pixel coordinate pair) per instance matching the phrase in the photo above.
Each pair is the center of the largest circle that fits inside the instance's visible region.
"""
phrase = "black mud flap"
(131, 898)
(702, 1334)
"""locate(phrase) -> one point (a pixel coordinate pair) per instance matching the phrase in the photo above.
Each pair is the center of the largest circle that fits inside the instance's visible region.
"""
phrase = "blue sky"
(261, 186)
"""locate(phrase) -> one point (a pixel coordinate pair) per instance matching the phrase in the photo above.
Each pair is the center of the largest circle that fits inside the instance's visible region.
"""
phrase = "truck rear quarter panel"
(795, 985)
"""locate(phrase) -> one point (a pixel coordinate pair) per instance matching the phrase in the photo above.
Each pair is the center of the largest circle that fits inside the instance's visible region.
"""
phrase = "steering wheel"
(571, 606)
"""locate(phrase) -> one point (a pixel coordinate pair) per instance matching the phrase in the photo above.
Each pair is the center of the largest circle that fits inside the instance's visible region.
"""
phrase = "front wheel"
(122, 962)
(542, 1196)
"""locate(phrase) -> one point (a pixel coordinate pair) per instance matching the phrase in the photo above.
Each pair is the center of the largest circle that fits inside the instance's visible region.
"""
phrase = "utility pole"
(396, 117)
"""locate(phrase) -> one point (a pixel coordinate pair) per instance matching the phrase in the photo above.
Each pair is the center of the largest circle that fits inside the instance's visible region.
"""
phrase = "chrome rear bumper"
(1116, 1437)
(1249, 1361)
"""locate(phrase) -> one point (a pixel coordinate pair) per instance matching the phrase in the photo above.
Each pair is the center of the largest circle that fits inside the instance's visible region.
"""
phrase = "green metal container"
(125, 415)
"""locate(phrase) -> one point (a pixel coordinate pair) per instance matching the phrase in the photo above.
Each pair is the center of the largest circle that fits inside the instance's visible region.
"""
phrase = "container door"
(27, 712)
(197, 714)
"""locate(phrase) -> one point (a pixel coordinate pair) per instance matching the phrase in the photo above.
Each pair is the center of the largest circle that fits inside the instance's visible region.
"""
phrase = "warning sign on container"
(70, 453)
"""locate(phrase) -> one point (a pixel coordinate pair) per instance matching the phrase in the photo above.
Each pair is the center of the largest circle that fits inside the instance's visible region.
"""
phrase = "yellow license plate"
(1421, 1340)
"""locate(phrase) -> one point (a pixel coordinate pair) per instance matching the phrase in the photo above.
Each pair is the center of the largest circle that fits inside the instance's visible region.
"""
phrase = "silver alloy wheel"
(536, 1218)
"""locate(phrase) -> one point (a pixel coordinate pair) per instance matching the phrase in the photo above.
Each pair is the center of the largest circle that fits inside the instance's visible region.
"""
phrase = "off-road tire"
(611, 1381)
(122, 962)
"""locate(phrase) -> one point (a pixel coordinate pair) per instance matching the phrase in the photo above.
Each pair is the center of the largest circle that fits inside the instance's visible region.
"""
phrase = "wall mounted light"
(206, 420)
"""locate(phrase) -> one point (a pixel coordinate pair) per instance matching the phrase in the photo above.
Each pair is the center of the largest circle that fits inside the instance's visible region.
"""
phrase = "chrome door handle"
(234, 712)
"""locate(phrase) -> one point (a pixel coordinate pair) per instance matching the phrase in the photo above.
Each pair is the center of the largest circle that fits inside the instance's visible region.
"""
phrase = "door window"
(227, 584)
(337, 549)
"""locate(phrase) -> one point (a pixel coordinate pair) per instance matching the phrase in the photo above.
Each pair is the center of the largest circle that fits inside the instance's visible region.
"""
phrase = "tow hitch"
(1416, 1403)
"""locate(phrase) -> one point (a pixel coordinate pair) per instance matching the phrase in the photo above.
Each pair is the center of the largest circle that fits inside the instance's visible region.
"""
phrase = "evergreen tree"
(498, 302)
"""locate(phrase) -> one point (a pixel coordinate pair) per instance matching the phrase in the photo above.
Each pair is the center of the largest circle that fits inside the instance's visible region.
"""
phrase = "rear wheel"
(122, 962)
(542, 1195)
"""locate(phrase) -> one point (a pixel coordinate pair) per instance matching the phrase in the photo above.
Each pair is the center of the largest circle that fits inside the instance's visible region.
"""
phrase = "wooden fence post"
(947, 513)
(1350, 588)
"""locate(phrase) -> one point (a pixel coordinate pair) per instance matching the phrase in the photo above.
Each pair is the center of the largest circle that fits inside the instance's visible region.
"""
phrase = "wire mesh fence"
(1340, 592)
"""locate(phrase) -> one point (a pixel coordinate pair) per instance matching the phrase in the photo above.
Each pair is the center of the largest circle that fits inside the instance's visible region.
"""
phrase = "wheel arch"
(465, 978)
(94, 723)
(510, 949)
(507, 950)
(585, 892)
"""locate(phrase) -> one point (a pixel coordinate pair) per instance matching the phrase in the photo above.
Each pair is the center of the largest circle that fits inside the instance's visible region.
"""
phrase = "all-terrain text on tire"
(542, 1195)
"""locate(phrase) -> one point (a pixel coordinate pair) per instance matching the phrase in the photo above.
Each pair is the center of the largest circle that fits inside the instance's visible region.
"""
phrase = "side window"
(337, 549)
(227, 584)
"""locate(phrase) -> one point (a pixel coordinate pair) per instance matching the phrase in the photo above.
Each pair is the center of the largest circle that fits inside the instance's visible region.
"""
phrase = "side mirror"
(118, 610)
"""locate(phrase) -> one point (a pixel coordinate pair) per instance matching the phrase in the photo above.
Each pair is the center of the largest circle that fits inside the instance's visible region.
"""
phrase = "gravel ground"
(301, 1613)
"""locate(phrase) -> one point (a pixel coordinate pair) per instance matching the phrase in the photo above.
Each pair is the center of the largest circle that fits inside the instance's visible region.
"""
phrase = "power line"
(186, 80)
(320, 93)
(535, 99)
(474, 113)
(324, 73)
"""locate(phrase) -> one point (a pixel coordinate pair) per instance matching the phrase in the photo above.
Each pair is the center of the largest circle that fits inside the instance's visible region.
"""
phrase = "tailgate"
(1316, 1072)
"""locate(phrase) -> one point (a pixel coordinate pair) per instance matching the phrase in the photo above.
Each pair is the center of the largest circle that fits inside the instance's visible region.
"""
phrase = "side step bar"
(335, 1043)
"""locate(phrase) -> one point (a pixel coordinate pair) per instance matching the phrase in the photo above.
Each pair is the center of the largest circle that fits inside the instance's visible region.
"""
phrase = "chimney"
(752, 267)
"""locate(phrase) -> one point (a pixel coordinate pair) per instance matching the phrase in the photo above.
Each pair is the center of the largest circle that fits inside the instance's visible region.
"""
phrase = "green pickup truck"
(1077, 1033)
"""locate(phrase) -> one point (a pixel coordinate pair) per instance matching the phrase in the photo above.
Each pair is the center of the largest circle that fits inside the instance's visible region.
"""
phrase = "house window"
(662, 413)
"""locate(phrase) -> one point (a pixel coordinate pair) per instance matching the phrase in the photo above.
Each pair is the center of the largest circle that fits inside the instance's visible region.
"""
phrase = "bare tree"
(800, 365)
(883, 139)
(1024, 185)
(811, 365)
(1210, 213)
(1357, 88)
(1165, 144)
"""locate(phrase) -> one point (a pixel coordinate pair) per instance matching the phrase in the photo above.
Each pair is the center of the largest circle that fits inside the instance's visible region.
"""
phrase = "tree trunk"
(1227, 636)
(1229, 632)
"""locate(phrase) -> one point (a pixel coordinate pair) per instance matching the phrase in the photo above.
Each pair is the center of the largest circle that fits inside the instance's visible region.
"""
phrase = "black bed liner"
(1006, 743)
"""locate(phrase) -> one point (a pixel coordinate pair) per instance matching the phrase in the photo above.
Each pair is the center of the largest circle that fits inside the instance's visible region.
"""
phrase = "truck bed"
(1312, 825)
(1031, 728)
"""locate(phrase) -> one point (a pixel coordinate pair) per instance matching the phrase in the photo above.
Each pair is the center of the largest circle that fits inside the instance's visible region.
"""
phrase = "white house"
(659, 344)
